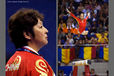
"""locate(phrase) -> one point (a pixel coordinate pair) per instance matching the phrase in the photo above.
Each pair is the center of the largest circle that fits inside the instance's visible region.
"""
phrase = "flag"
(106, 53)
(101, 52)
(72, 54)
(66, 56)
(87, 52)
(81, 52)
(93, 52)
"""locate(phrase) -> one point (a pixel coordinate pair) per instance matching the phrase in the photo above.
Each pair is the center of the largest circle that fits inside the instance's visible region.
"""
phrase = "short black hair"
(22, 21)
(81, 13)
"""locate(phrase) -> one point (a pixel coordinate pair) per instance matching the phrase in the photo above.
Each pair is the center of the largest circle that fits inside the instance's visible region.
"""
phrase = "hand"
(88, 14)
(67, 10)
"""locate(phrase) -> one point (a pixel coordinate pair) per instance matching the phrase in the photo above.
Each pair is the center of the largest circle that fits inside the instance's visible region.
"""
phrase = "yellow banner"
(66, 56)
(106, 53)
(87, 52)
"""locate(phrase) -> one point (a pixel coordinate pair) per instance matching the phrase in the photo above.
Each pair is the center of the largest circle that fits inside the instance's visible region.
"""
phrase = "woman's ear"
(27, 35)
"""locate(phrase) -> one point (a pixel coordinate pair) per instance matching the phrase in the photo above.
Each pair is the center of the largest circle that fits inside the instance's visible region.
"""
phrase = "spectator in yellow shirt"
(103, 39)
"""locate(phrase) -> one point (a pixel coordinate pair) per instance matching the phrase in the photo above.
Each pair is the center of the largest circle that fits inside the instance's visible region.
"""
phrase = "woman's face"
(40, 34)
(81, 16)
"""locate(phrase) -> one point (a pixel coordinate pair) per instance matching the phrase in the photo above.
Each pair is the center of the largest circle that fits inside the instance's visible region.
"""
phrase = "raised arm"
(86, 17)
(72, 15)
(88, 14)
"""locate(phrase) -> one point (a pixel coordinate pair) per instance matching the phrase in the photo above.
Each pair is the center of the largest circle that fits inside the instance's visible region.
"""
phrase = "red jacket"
(82, 23)
(24, 63)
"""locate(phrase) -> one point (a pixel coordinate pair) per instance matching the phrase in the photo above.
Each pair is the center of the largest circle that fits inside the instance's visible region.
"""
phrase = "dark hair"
(81, 13)
(22, 21)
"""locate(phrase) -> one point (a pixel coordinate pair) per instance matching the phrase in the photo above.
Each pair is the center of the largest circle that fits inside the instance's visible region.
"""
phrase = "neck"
(34, 46)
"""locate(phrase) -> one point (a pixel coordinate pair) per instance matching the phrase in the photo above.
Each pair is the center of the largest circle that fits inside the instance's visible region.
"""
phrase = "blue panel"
(101, 53)
(59, 54)
(81, 52)
(67, 69)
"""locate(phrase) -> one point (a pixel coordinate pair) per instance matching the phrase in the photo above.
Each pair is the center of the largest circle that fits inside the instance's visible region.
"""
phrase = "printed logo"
(41, 67)
(15, 65)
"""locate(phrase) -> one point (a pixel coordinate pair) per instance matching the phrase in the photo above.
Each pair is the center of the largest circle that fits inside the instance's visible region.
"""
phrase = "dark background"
(48, 9)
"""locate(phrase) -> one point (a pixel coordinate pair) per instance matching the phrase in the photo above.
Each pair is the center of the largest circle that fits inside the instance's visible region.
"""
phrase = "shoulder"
(14, 62)
(23, 59)
(28, 57)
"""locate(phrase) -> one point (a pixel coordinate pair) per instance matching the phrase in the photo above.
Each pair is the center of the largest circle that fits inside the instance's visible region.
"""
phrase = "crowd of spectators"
(97, 23)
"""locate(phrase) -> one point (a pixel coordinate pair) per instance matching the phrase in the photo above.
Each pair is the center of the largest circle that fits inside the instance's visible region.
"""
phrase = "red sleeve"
(74, 16)
(86, 18)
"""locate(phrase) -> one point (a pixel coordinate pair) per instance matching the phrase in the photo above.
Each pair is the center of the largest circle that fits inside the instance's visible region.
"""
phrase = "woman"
(81, 22)
(28, 34)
